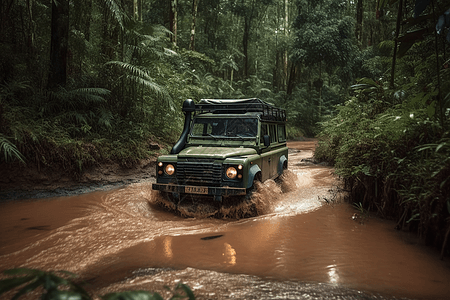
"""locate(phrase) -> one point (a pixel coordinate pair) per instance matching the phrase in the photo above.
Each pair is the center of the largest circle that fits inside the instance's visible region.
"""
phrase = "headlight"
(231, 172)
(170, 169)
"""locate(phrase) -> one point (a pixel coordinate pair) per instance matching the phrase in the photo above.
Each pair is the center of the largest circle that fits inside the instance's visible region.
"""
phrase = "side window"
(281, 133)
(198, 129)
(273, 134)
(208, 129)
(263, 133)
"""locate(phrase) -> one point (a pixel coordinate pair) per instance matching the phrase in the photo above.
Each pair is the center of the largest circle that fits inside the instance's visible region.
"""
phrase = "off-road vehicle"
(225, 146)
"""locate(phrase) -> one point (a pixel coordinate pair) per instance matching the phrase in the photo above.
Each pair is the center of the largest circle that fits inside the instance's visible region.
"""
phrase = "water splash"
(262, 200)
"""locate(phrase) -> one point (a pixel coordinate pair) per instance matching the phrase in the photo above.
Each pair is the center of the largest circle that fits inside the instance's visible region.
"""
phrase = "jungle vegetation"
(63, 285)
(92, 80)
(390, 138)
(87, 81)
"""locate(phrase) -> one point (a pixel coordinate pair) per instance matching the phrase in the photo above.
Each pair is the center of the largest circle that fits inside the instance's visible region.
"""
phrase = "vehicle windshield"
(225, 127)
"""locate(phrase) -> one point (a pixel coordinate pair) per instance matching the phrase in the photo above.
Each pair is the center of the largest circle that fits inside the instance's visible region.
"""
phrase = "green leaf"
(413, 218)
(64, 295)
(369, 81)
(32, 286)
(431, 109)
(442, 186)
(11, 283)
(10, 150)
(440, 146)
(23, 271)
(188, 291)
(132, 295)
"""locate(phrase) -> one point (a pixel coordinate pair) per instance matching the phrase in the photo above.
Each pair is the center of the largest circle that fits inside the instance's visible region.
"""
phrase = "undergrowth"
(393, 157)
(33, 133)
(62, 285)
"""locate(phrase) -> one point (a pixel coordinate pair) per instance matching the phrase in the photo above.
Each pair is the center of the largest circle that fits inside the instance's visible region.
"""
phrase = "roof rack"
(224, 106)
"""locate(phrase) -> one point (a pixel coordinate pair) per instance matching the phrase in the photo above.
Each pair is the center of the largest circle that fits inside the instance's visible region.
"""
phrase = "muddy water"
(302, 245)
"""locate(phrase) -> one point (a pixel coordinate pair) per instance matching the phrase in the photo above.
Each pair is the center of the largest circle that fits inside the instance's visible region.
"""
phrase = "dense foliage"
(93, 80)
(390, 141)
(62, 285)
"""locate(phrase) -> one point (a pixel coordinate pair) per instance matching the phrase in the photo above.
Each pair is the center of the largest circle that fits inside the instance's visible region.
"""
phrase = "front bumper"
(200, 190)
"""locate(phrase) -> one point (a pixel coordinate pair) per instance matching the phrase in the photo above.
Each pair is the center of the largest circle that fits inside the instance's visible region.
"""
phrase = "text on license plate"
(195, 190)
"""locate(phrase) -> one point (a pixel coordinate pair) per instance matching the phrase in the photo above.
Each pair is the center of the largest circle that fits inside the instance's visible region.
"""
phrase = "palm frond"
(143, 49)
(118, 14)
(134, 70)
(10, 151)
(105, 117)
(148, 83)
(89, 94)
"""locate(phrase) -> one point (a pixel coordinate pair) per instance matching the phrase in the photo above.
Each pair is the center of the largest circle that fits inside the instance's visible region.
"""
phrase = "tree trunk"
(286, 33)
(397, 32)
(194, 16)
(59, 44)
(440, 113)
(87, 17)
(359, 19)
(31, 26)
(292, 79)
(174, 21)
(81, 12)
(245, 39)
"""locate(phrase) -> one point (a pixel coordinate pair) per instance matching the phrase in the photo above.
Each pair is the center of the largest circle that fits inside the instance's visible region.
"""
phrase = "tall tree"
(249, 10)
(286, 34)
(359, 20)
(173, 16)
(324, 40)
(59, 43)
(194, 17)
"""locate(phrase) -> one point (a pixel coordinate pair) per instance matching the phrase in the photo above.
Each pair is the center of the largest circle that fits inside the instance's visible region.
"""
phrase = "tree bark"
(173, 21)
(194, 16)
(397, 32)
(292, 79)
(59, 44)
(359, 19)
(286, 33)
(31, 26)
(245, 39)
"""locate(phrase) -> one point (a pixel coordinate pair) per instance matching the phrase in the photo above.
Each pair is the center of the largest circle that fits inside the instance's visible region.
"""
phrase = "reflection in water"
(168, 247)
(332, 274)
(230, 255)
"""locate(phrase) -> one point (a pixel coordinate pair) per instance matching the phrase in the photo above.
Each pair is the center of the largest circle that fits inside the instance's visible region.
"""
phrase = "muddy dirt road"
(299, 247)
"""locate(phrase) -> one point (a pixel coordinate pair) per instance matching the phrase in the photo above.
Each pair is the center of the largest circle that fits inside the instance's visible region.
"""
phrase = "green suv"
(225, 146)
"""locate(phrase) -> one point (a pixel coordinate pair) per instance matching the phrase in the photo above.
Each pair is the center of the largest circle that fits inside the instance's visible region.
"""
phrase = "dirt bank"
(30, 181)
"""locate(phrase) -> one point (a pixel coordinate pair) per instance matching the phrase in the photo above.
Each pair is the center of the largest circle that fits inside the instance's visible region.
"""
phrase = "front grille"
(199, 173)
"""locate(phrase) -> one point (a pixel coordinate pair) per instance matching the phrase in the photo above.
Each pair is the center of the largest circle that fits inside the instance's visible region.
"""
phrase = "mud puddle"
(302, 244)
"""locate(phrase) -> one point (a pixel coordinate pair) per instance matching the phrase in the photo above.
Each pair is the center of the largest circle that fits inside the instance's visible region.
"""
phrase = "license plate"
(196, 190)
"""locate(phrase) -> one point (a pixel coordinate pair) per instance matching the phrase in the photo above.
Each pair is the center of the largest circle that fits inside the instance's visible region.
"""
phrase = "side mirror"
(266, 140)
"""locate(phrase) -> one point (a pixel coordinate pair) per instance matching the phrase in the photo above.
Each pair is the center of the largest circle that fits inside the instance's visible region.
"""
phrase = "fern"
(140, 76)
(118, 14)
(131, 69)
(9, 150)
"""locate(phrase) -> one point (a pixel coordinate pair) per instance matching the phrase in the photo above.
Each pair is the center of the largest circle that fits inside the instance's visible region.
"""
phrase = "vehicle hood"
(214, 152)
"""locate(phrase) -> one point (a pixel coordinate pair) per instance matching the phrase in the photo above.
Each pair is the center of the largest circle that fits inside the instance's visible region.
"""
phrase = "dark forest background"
(87, 81)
